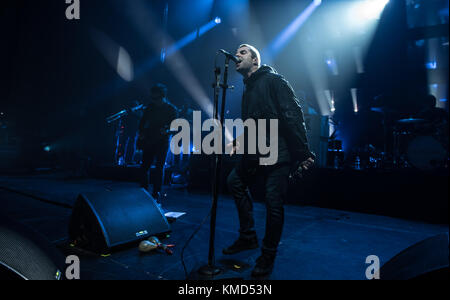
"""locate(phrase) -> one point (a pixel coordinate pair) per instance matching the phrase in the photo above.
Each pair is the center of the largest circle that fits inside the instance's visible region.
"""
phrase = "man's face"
(246, 61)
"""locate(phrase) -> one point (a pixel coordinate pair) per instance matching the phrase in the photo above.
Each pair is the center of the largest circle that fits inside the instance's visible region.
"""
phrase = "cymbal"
(377, 109)
(382, 109)
(410, 121)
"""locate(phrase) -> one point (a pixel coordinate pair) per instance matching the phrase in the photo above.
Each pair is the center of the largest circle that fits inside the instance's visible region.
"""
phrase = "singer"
(267, 96)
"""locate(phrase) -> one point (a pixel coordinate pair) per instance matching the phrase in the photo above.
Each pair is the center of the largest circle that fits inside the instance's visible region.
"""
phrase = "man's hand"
(307, 164)
(303, 166)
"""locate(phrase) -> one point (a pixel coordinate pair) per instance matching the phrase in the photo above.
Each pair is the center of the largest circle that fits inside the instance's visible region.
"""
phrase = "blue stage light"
(207, 27)
(286, 35)
(218, 20)
(432, 65)
(189, 38)
(330, 60)
(163, 55)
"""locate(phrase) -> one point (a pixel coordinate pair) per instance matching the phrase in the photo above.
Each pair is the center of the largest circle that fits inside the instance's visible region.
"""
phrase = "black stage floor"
(317, 243)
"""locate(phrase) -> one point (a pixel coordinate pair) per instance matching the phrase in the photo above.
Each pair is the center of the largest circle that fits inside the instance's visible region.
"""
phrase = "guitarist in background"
(154, 135)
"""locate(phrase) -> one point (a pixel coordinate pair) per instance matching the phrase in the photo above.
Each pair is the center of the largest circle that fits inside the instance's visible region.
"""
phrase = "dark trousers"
(150, 153)
(275, 180)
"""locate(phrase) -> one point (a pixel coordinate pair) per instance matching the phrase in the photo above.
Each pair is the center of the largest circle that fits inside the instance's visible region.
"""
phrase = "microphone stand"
(210, 269)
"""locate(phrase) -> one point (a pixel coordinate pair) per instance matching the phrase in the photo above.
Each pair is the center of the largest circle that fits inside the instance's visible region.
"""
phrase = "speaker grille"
(22, 256)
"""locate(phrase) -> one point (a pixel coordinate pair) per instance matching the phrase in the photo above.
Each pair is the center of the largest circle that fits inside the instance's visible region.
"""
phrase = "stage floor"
(317, 243)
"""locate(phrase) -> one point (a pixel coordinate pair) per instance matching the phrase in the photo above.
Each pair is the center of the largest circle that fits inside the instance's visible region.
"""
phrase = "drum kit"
(413, 142)
(418, 143)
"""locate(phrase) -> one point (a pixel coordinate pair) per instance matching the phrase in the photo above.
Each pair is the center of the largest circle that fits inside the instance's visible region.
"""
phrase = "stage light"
(317, 2)
(286, 35)
(163, 55)
(47, 148)
(329, 95)
(332, 66)
(372, 9)
(124, 65)
(375, 8)
(181, 43)
(432, 65)
(331, 62)
(364, 12)
(192, 36)
(116, 55)
(355, 100)
(208, 26)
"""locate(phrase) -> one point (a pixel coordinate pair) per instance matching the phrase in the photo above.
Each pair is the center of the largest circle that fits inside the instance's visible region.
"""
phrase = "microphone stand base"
(209, 271)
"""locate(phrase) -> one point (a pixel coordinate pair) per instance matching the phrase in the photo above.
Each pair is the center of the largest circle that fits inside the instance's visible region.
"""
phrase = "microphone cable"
(188, 241)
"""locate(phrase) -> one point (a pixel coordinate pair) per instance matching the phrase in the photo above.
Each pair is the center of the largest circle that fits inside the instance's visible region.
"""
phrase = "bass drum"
(426, 153)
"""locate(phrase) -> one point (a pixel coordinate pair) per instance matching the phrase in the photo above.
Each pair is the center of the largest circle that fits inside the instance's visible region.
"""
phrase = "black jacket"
(268, 96)
(155, 121)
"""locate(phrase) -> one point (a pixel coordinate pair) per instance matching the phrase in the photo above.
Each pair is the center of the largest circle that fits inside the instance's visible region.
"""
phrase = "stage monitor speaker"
(428, 259)
(27, 255)
(103, 220)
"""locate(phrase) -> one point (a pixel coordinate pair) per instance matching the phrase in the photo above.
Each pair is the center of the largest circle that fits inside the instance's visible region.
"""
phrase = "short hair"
(159, 88)
(255, 53)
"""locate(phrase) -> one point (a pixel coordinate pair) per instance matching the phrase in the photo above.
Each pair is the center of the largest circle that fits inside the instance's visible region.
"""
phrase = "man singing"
(267, 96)
(154, 136)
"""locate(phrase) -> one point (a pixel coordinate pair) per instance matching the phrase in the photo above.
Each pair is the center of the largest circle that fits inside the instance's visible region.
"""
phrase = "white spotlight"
(372, 9)
(366, 11)
(330, 60)
(355, 99)
(124, 65)
(330, 98)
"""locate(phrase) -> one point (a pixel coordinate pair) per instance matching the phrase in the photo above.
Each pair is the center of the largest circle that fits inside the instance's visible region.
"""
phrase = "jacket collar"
(264, 69)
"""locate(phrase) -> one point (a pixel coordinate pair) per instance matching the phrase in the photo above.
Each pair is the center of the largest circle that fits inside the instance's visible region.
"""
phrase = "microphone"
(230, 56)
